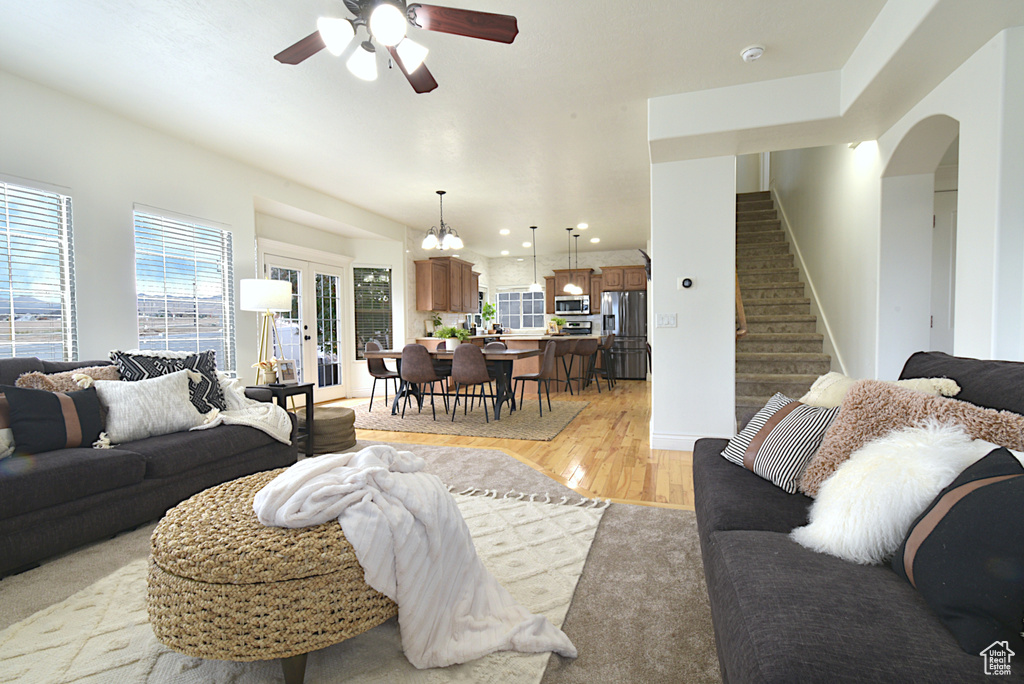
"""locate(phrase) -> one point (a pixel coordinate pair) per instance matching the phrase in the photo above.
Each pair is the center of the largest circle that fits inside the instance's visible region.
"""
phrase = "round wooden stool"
(333, 428)
(223, 586)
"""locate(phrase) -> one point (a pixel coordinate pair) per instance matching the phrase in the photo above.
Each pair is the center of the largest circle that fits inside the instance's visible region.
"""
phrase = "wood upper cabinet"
(621, 278)
(612, 278)
(473, 301)
(596, 288)
(578, 276)
(634, 278)
(549, 294)
(446, 284)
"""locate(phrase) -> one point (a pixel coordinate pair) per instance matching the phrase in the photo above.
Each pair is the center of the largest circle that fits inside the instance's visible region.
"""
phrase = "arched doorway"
(914, 277)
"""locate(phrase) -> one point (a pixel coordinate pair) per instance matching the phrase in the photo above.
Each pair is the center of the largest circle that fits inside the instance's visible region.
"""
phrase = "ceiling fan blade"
(501, 28)
(304, 49)
(421, 80)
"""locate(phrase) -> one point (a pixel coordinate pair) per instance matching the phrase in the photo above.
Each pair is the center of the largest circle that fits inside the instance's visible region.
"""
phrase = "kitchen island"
(532, 364)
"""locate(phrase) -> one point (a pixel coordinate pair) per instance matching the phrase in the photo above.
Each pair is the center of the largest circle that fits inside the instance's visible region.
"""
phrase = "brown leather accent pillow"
(872, 409)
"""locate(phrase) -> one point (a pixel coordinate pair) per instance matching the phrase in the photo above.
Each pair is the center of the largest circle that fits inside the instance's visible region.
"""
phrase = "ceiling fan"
(387, 21)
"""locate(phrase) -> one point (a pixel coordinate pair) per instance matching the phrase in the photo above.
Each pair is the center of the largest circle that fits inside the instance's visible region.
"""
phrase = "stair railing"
(741, 316)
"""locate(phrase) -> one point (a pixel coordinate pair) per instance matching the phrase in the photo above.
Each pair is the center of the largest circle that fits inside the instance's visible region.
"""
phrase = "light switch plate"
(665, 320)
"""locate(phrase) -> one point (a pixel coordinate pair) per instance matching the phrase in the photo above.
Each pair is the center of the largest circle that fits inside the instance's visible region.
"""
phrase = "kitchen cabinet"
(446, 284)
(549, 294)
(611, 278)
(623, 278)
(596, 288)
(578, 276)
(634, 278)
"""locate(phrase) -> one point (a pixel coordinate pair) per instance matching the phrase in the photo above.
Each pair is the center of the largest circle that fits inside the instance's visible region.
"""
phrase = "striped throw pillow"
(780, 440)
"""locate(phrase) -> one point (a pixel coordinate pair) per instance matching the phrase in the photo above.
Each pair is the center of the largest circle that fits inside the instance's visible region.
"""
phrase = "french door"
(312, 333)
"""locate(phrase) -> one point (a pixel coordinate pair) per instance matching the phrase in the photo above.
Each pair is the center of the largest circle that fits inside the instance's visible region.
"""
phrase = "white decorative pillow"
(863, 511)
(829, 389)
(146, 408)
(780, 440)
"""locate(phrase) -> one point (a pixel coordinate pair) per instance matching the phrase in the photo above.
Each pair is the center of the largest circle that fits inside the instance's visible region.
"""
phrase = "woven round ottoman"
(223, 586)
(333, 428)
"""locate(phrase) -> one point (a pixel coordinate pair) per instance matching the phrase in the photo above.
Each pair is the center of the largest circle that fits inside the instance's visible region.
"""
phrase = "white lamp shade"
(447, 241)
(387, 24)
(261, 294)
(535, 287)
(456, 241)
(336, 33)
(430, 241)
(411, 53)
(363, 64)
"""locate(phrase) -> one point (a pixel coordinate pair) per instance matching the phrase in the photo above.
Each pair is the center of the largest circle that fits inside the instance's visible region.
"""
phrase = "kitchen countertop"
(539, 338)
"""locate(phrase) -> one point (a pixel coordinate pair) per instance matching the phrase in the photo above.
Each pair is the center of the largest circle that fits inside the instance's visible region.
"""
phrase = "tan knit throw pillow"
(872, 409)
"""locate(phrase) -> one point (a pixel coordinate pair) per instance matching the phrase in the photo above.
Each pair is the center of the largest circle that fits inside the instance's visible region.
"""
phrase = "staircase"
(781, 351)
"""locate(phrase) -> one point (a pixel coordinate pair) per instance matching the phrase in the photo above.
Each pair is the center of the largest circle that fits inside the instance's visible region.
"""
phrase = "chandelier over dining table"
(441, 236)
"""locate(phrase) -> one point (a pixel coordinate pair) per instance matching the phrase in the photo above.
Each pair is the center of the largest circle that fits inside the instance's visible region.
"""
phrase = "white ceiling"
(548, 131)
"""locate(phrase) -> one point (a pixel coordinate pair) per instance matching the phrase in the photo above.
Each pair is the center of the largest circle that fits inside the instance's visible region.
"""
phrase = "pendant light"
(535, 287)
(569, 287)
(578, 290)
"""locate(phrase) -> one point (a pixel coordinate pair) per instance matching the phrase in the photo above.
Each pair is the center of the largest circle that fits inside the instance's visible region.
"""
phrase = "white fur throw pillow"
(828, 390)
(864, 510)
(158, 406)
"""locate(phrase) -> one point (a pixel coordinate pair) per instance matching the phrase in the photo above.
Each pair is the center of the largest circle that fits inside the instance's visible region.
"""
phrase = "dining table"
(502, 360)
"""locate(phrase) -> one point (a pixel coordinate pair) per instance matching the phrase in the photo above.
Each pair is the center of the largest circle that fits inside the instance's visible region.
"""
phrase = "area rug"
(535, 548)
(640, 612)
(526, 423)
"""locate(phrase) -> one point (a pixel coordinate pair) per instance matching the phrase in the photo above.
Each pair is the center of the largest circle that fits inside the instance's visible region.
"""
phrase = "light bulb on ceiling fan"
(363, 62)
(336, 33)
(388, 24)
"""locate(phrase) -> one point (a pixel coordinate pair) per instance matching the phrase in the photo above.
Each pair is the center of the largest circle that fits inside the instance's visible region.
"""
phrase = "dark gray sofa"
(56, 501)
(783, 613)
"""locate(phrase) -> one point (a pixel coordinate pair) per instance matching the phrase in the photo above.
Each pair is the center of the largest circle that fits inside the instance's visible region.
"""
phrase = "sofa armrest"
(259, 394)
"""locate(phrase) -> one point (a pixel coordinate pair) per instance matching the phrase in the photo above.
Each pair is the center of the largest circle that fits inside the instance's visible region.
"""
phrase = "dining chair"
(418, 369)
(545, 375)
(563, 349)
(607, 369)
(492, 369)
(379, 370)
(469, 369)
(586, 350)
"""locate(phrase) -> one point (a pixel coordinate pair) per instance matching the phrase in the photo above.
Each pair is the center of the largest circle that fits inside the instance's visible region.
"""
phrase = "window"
(185, 287)
(373, 307)
(37, 286)
(520, 309)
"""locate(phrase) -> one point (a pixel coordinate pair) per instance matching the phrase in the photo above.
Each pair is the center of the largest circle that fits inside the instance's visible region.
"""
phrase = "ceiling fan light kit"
(336, 33)
(388, 21)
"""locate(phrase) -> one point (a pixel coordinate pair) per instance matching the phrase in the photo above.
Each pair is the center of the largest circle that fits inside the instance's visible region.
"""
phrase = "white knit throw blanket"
(415, 548)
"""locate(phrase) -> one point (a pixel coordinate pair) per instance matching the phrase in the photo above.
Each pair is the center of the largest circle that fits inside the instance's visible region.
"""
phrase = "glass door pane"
(328, 315)
(288, 340)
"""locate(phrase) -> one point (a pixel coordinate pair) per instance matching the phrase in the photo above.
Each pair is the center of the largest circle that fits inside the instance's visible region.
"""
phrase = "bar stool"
(418, 369)
(546, 375)
(564, 348)
(379, 370)
(606, 369)
(470, 369)
(586, 350)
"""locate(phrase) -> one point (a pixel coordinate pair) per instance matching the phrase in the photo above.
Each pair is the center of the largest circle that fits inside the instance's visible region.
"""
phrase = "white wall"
(108, 163)
(748, 173)
(693, 235)
(829, 198)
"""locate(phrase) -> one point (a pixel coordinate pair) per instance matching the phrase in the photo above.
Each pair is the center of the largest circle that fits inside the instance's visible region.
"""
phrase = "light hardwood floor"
(605, 452)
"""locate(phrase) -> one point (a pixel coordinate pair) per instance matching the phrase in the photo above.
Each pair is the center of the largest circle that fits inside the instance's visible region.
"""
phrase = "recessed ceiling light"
(455, 255)
(504, 231)
(582, 226)
(527, 244)
(752, 53)
(595, 240)
(519, 259)
(504, 252)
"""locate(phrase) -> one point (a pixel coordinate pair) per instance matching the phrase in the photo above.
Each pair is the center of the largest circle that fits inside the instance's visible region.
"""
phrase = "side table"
(281, 394)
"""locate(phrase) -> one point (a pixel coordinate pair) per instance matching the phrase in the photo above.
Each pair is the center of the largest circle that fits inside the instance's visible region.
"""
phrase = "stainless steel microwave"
(572, 304)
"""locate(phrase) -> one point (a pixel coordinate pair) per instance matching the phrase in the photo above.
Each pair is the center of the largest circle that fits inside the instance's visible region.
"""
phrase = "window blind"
(184, 284)
(372, 307)
(37, 275)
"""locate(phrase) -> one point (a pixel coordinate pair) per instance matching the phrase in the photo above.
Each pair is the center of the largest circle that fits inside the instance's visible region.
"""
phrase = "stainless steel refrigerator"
(625, 314)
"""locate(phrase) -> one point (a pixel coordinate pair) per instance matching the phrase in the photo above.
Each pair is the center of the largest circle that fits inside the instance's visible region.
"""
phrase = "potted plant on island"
(487, 313)
(454, 336)
(559, 322)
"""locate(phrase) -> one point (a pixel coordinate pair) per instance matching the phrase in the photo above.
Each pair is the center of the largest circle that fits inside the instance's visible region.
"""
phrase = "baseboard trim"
(672, 442)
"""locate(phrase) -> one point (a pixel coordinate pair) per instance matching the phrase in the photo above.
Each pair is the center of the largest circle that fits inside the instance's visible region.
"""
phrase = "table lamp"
(265, 296)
